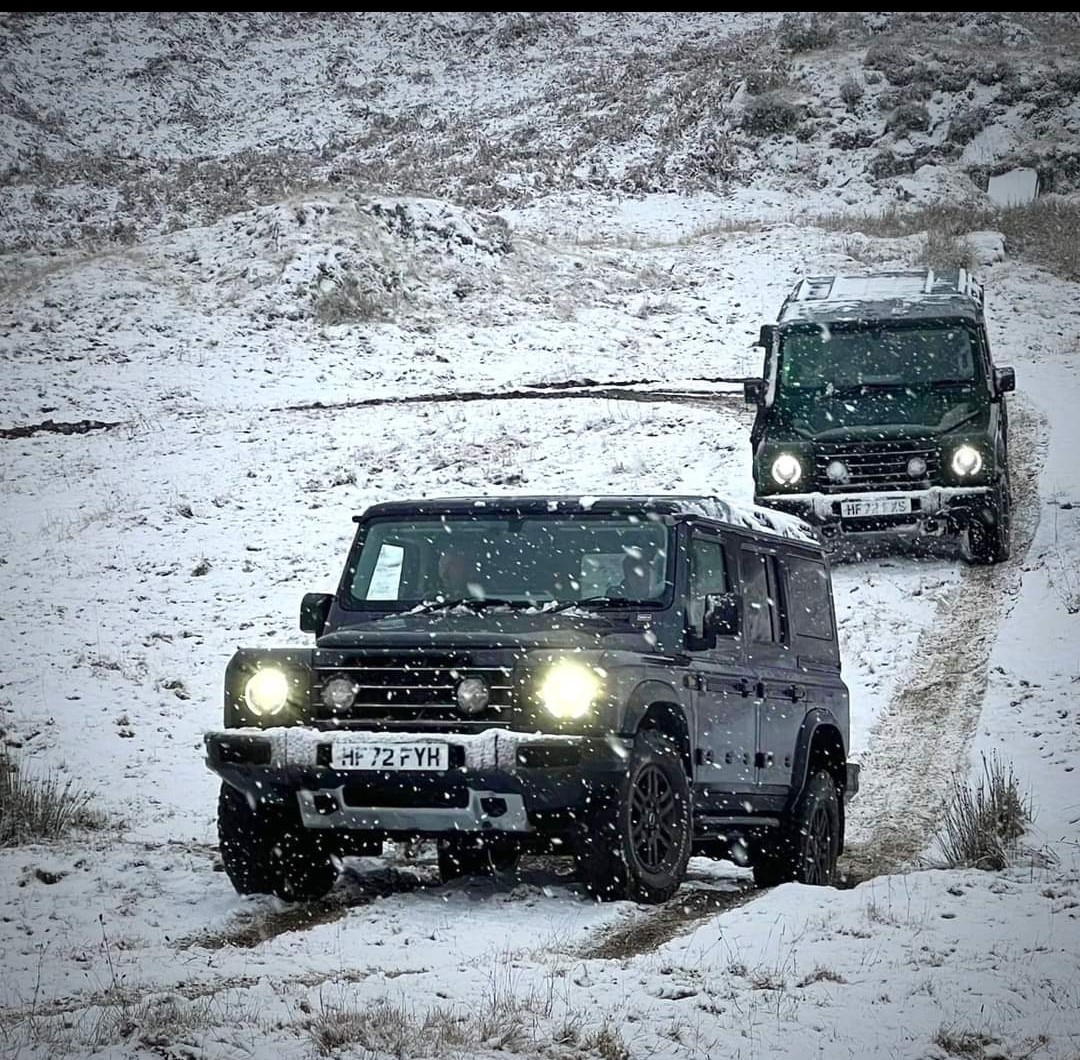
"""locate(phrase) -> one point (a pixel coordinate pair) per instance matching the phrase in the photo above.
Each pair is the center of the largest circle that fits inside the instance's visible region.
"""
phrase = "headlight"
(569, 690)
(967, 461)
(266, 691)
(339, 693)
(786, 469)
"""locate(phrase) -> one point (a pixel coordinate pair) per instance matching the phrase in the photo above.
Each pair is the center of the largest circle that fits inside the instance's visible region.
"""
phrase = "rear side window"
(810, 599)
(762, 606)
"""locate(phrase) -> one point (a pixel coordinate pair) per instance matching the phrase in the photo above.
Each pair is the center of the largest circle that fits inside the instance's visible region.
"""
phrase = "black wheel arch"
(820, 746)
(656, 705)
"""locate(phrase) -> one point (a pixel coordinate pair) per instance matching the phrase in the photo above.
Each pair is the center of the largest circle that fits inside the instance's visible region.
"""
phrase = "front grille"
(879, 465)
(418, 687)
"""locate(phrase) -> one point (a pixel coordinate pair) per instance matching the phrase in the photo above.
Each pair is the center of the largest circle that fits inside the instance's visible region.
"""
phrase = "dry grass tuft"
(36, 807)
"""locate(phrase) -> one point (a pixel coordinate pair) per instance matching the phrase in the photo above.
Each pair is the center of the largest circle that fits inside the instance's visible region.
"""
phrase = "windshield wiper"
(475, 602)
(600, 601)
(951, 382)
(858, 388)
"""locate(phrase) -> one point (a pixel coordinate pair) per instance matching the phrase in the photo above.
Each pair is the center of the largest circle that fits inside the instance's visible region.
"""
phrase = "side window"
(761, 599)
(810, 599)
(708, 574)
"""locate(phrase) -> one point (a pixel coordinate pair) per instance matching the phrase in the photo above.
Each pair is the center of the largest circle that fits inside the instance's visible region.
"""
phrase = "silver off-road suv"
(627, 680)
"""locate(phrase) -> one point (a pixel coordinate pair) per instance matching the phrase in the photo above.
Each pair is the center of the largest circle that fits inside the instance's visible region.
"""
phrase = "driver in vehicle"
(458, 577)
(637, 580)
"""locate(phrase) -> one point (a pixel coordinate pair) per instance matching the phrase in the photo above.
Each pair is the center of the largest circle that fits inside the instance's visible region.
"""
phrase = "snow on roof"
(748, 517)
(885, 291)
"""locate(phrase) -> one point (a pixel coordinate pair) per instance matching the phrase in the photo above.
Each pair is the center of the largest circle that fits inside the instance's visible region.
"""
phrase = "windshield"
(507, 560)
(849, 359)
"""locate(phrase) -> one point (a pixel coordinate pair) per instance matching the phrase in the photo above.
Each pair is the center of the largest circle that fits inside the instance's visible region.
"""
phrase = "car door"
(726, 727)
(780, 689)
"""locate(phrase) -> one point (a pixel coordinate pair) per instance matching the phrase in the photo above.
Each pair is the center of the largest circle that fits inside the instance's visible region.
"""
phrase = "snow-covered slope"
(277, 267)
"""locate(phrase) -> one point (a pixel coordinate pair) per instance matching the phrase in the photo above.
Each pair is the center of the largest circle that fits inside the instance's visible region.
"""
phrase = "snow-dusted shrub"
(851, 91)
(894, 64)
(762, 79)
(35, 807)
(966, 125)
(798, 34)
(983, 820)
(769, 115)
(910, 117)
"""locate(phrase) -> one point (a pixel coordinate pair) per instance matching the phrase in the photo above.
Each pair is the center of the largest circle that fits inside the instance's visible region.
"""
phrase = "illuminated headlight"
(967, 461)
(836, 471)
(916, 467)
(339, 693)
(569, 689)
(473, 695)
(786, 469)
(266, 691)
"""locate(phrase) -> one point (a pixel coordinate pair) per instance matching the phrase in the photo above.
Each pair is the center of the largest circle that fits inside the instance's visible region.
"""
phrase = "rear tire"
(806, 847)
(267, 850)
(635, 842)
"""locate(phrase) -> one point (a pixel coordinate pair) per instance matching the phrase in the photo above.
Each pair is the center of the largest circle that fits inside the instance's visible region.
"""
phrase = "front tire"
(989, 541)
(267, 850)
(635, 842)
(807, 846)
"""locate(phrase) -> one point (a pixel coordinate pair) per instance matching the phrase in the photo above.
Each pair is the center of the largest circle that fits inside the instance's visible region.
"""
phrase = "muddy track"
(548, 392)
(53, 427)
(571, 388)
(922, 738)
(690, 906)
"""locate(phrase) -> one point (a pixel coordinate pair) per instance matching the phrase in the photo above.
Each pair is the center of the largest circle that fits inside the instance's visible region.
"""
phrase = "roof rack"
(912, 286)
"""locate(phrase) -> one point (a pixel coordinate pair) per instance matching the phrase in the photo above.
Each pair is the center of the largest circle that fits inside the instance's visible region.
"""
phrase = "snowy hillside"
(260, 271)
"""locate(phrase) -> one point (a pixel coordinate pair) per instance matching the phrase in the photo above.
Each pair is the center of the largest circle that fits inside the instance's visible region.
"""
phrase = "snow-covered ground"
(263, 371)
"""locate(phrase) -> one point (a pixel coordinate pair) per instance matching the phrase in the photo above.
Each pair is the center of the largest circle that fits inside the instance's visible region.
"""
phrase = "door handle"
(796, 692)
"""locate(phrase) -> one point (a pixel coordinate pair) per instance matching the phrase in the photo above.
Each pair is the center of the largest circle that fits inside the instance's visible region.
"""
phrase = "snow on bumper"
(827, 507)
(290, 746)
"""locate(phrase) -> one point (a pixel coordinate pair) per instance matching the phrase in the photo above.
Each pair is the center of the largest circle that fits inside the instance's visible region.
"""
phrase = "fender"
(814, 721)
(651, 692)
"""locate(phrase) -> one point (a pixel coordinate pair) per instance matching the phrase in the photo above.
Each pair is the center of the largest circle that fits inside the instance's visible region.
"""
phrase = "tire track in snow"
(921, 739)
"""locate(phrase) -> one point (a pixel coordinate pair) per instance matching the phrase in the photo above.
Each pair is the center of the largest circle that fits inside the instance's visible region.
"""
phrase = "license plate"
(875, 506)
(389, 756)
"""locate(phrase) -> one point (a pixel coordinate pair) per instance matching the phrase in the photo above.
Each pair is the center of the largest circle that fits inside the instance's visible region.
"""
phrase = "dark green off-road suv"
(881, 411)
(626, 680)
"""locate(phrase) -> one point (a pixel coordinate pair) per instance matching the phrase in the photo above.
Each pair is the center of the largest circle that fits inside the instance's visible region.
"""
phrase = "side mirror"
(314, 611)
(754, 391)
(767, 337)
(721, 615)
(1004, 380)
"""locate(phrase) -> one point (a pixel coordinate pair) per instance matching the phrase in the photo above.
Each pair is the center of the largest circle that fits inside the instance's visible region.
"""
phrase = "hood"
(879, 414)
(527, 630)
